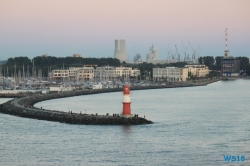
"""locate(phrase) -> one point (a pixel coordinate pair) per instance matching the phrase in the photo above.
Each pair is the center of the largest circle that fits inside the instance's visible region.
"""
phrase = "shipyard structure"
(172, 56)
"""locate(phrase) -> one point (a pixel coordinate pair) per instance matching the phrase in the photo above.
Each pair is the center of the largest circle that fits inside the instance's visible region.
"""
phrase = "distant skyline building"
(137, 58)
(45, 55)
(152, 56)
(120, 50)
(77, 55)
(153, 53)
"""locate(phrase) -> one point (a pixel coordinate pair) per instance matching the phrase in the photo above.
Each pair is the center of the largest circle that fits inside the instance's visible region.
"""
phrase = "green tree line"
(46, 63)
(51, 63)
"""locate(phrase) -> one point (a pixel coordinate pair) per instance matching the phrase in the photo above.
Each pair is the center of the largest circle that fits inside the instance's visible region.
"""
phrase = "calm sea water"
(192, 126)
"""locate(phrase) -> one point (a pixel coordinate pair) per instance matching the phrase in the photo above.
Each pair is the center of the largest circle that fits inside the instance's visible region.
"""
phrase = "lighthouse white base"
(127, 115)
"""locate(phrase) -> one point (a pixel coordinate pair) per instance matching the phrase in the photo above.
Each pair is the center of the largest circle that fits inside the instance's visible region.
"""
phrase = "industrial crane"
(184, 51)
(193, 51)
(177, 53)
(168, 57)
(198, 52)
(171, 55)
(185, 55)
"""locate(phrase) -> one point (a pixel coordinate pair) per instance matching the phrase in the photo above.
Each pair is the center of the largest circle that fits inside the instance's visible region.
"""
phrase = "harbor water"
(192, 126)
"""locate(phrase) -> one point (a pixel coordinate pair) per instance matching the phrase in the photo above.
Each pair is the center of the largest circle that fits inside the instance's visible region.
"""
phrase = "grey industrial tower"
(120, 50)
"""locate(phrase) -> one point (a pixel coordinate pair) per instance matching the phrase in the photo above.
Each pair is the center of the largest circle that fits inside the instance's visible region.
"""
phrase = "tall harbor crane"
(184, 51)
(193, 51)
(177, 53)
(171, 54)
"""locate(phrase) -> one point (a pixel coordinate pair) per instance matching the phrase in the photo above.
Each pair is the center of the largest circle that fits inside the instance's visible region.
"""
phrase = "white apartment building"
(198, 70)
(180, 74)
(77, 73)
(86, 73)
(169, 73)
(100, 73)
(111, 72)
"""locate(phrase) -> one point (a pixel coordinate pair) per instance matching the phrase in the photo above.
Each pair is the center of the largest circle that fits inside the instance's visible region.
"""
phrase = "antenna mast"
(226, 38)
(226, 51)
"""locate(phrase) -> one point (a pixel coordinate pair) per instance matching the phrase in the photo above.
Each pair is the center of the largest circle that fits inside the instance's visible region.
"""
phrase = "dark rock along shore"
(23, 107)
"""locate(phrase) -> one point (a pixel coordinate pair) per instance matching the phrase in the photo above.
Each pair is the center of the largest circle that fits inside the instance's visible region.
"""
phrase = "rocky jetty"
(71, 118)
(23, 106)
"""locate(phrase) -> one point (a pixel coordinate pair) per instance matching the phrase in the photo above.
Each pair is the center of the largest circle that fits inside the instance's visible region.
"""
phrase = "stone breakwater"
(23, 106)
(70, 118)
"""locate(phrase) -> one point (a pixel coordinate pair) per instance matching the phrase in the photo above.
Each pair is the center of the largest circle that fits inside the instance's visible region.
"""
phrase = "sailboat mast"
(28, 75)
(1, 71)
(7, 71)
(15, 73)
(33, 70)
(23, 73)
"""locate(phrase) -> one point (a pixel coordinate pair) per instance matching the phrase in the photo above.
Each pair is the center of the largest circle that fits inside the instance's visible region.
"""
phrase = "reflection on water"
(126, 130)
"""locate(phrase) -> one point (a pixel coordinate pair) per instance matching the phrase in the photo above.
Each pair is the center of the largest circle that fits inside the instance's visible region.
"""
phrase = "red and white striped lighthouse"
(126, 111)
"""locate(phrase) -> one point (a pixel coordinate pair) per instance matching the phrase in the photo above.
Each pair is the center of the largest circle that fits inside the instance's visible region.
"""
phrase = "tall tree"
(208, 60)
(248, 69)
(244, 62)
(200, 60)
(218, 61)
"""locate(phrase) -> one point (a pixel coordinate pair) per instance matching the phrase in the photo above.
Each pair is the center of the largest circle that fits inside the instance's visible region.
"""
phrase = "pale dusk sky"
(63, 27)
